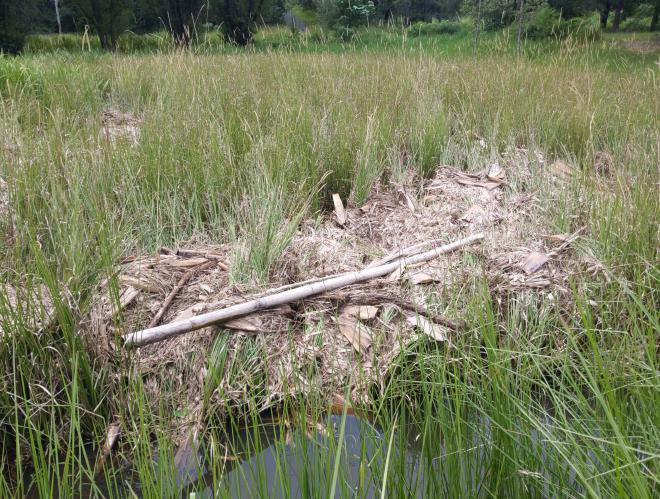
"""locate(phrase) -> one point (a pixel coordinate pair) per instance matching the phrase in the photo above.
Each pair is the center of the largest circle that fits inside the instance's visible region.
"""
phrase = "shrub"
(547, 22)
(543, 23)
(444, 27)
(152, 42)
(69, 42)
(636, 23)
(580, 28)
(342, 16)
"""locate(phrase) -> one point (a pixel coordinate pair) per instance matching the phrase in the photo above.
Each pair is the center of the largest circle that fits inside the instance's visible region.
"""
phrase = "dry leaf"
(423, 278)
(250, 324)
(191, 311)
(367, 312)
(339, 209)
(431, 329)
(357, 333)
(474, 181)
(562, 238)
(534, 261)
(409, 202)
(339, 403)
(396, 275)
(111, 436)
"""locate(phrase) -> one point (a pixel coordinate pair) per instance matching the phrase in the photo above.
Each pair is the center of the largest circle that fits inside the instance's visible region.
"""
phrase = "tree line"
(237, 19)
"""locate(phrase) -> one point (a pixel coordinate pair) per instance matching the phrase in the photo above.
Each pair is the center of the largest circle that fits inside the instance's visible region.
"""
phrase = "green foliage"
(15, 74)
(640, 19)
(548, 395)
(547, 22)
(632, 24)
(128, 43)
(444, 27)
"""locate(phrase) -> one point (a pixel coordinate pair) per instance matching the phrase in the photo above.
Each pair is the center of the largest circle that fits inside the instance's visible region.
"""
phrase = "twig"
(159, 333)
(403, 252)
(182, 282)
(378, 298)
(204, 254)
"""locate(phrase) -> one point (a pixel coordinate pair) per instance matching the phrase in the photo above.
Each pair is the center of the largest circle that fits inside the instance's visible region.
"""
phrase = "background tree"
(15, 24)
(239, 17)
(618, 11)
(108, 18)
(56, 4)
(181, 18)
(654, 17)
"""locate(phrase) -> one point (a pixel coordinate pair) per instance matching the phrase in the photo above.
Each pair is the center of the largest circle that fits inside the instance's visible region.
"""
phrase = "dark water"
(301, 464)
(278, 472)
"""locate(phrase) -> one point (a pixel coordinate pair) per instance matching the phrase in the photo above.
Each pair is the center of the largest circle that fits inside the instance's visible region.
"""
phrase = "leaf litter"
(346, 337)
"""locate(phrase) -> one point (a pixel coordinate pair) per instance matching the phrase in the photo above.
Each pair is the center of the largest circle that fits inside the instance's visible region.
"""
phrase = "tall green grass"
(536, 399)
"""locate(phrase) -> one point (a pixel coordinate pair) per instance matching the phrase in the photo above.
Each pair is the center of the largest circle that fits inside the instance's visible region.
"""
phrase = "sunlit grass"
(536, 401)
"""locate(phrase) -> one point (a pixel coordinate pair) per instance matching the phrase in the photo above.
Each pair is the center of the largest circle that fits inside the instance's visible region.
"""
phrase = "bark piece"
(339, 209)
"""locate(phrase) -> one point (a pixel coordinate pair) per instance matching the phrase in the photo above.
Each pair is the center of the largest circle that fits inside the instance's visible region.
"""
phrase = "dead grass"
(308, 347)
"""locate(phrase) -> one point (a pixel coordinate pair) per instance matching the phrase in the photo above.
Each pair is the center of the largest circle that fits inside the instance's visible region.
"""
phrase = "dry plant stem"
(160, 333)
(182, 282)
(204, 254)
(403, 252)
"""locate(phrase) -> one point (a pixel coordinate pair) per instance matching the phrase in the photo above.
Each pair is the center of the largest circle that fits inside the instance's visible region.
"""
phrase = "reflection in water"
(284, 471)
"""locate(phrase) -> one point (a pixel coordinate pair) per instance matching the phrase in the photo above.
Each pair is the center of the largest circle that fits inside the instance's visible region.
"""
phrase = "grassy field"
(537, 400)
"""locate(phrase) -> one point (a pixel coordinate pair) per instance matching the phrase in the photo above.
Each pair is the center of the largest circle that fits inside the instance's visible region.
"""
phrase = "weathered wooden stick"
(404, 252)
(159, 333)
(170, 297)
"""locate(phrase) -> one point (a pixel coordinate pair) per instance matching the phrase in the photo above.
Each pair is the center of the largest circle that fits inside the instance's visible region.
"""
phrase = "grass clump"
(536, 398)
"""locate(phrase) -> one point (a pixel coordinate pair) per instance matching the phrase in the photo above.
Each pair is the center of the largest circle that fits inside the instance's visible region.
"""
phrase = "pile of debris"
(346, 336)
(120, 127)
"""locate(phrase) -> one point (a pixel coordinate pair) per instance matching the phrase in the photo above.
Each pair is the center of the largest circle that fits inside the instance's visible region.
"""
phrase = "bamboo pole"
(165, 331)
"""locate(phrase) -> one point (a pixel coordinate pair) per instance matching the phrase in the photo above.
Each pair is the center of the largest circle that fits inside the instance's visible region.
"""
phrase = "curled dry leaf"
(431, 329)
(534, 261)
